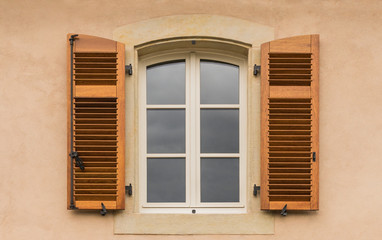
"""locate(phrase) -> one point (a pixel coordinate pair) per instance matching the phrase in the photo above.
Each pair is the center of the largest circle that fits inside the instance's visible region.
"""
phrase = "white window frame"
(192, 95)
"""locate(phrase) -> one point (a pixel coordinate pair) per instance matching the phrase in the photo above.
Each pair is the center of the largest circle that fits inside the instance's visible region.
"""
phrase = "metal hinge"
(72, 38)
(256, 69)
(129, 189)
(129, 69)
(255, 189)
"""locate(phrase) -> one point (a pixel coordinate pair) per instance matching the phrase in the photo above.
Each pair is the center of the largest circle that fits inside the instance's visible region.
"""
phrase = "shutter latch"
(284, 211)
(129, 189)
(129, 69)
(79, 162)
(255, 189)
(256, 69)
(103, 210)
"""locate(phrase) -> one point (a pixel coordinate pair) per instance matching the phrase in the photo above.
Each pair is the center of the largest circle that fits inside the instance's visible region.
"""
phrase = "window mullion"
(188, 133)
(193, 128)
(197, 129)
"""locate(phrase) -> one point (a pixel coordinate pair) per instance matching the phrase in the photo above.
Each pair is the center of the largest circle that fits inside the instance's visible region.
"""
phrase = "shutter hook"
(129, 69)
(284, 211)
(255, 189)
(103, 210)
(256, 69)
(129, 189)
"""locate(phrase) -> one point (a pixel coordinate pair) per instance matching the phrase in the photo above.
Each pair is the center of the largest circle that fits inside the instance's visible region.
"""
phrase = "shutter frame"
(98, 91)
(287, 89)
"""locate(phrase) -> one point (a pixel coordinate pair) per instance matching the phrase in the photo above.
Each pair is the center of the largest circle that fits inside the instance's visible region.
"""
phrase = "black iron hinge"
(72, 38)
(255, 189)
(129, 189)
(256, 69)
(129, 69)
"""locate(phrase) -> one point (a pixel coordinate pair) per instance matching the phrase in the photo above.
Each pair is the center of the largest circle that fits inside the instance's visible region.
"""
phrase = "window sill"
(197, 210)
(185, 224)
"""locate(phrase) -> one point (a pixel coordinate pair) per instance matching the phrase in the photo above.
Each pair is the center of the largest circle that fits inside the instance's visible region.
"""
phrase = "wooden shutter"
(289, 123)
(98, 122)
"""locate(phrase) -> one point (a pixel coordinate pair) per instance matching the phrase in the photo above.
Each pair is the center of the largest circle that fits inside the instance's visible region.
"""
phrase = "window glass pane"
(166, 83)
(219, 179)
(219, 83)
(219, 130)
(166, 180)
(166, 131)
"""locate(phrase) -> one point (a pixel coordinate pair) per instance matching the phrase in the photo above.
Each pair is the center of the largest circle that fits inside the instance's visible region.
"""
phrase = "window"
(192, 133)
(278, 154)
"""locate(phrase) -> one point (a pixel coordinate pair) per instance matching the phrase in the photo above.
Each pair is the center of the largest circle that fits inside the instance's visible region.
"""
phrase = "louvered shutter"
(289, 123)
(98, 122)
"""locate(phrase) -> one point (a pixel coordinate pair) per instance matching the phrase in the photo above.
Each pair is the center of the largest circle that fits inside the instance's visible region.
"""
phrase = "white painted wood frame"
(192, 155)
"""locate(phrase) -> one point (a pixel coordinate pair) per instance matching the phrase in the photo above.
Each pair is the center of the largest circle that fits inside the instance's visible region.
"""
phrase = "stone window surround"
(219, 33)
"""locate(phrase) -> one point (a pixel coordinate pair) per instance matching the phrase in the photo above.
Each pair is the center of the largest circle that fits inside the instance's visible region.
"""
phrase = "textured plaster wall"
(33, 111)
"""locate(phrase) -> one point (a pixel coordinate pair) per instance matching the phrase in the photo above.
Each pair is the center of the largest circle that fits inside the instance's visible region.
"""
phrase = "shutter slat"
(95, 126)
(287, 198)
(95, 103)
(96, 142)
(99, 164)
(289, 123)
(290, 65)
(273, 76)
(98, 122)
(82, 185)
(288, 159)
(102, 145)
(289, 186)
(94, 70)
(293, 164)
(283, 191)
(102, 169)
(95, 191)
(95, 180)
(94, 65)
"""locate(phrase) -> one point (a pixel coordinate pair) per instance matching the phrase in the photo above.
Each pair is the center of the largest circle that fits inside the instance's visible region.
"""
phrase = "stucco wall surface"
(33, 111)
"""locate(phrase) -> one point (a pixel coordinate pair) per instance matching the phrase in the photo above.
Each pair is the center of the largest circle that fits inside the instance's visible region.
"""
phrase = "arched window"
(192, 132)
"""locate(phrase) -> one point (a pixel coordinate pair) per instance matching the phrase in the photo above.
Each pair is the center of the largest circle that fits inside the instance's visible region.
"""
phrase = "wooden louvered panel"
(99, 147)
(98, 123)
(299, 151)
(89, 71)
(290, 69)
(289, 123)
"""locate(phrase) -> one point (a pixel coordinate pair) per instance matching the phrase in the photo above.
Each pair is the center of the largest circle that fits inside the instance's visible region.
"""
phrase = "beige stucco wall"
(33, 111)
